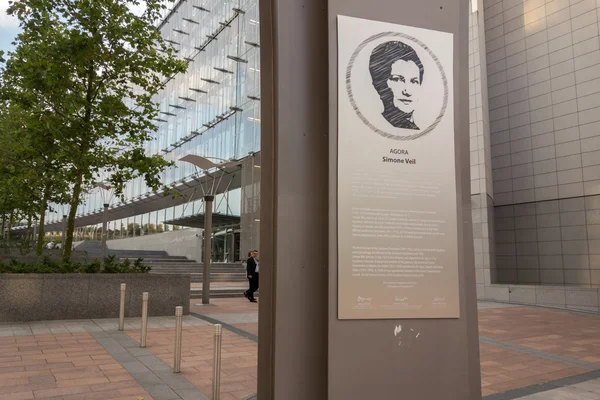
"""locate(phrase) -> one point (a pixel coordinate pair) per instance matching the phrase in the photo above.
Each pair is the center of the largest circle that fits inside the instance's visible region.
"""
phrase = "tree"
(94, 66)
(133, 229)
(30, 169)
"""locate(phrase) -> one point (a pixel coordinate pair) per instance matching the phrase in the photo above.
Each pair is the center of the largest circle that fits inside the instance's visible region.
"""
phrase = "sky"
(9, 27)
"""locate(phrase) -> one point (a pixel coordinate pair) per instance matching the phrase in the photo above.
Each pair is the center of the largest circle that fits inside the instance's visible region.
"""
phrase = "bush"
(46, 265)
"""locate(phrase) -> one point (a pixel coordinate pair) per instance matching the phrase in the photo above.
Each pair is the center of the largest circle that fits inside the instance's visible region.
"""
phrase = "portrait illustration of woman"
(397, 75)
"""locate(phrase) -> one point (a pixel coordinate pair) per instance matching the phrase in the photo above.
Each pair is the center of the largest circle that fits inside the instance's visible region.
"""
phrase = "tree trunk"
(10, 218)
(40, 240)
(27, 239)
(71, 219)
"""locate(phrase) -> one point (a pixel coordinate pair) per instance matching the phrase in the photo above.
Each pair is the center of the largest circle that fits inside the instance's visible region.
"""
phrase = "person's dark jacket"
(251, 266)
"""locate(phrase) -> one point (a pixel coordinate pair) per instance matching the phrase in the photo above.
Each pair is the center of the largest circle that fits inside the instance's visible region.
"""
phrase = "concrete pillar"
(294, 200)
(104, 233)
(208, 204)
(305, 352)
(232, 247)
(448, 349)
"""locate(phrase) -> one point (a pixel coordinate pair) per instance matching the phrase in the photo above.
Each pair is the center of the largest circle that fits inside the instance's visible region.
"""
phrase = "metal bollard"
(144, 319)
(122, 310)
(216, 391)
(178, 332)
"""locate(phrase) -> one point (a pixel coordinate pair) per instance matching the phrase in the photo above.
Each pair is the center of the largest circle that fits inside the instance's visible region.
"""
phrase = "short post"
(122, 309)
(216, 391)
(144, 319)
(178, 333)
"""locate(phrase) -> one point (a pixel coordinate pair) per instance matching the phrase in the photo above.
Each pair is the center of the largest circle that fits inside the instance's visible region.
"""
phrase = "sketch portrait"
(397, 85)
(397, 73)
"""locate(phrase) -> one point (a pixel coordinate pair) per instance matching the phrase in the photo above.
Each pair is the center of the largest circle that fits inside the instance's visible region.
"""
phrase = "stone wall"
(563, 297)
(543, 67)
(482, 193)
(175, 243)
(40, 297)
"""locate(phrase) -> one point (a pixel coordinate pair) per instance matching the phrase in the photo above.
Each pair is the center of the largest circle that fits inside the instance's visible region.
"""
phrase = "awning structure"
(227, 177)
(219, 221)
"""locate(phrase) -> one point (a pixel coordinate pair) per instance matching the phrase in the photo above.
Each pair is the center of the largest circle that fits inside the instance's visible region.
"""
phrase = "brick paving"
(557, 332)
(66, 366)
(238, 359)
(570, 335)
(503, 370)
(589, 390)
(520, 347)
(224, 306)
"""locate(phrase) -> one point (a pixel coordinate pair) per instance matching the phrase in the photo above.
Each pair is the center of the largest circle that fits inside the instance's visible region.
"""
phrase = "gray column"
(294, 193)
(482, 193)
(232, 248)
(208, 204)
(304, 351)
(365, 361)
(104, 233)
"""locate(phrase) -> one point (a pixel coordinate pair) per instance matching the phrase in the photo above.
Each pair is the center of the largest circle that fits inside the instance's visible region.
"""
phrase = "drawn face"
(405, 84)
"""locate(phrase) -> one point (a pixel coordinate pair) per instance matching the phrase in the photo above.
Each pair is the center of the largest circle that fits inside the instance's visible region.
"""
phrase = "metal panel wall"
(444, 363)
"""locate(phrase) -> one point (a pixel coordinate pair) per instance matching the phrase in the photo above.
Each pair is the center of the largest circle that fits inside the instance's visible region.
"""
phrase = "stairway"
(218, 272)
(162, 263)
(220, 292)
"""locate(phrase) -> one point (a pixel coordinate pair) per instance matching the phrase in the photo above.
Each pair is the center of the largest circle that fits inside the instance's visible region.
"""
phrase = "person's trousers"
(253, 285)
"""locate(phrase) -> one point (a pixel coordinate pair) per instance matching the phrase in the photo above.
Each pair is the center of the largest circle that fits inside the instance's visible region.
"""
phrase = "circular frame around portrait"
(381, 132)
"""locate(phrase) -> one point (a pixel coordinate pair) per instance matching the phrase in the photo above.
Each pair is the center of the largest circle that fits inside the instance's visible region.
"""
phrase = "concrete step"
(187, 263)
(173, 265)
(199, 274)
(197, 278)
(195, 272)
(166, 260)
(145, 252)
(124, 253)
(220, 293)
(218, 279)
(193, 269)
(160, 262)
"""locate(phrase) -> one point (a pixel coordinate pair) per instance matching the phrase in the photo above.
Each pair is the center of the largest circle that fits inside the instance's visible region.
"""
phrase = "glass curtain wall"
(213, 110)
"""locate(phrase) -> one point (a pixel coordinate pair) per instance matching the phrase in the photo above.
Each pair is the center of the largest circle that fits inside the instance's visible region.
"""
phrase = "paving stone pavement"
(89, 325)
(151, 372)
(63, 366)
(238, 359)
(235, 318)
(581, 391)
(526, 353)
(585, 386)
(88, 359)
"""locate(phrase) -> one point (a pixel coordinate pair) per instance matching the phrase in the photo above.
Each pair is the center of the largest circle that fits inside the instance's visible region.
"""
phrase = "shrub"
(47, 265)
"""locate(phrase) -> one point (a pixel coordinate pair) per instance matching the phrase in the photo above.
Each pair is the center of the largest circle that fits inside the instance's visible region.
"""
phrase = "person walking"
(245, 265)
(252, 268)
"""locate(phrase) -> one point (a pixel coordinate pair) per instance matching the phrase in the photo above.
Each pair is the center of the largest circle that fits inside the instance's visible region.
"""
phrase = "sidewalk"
(526, 353)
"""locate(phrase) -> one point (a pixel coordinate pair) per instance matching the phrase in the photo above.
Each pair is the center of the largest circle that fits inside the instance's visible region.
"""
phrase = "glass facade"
(213, 110)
